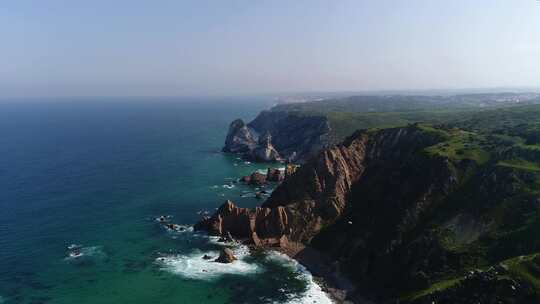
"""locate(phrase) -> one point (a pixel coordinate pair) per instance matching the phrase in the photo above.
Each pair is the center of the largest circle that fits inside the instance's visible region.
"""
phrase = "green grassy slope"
(490, 217)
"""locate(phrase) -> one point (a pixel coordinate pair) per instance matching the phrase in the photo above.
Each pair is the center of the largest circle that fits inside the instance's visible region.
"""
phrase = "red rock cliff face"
(317, 194)
(243, 222)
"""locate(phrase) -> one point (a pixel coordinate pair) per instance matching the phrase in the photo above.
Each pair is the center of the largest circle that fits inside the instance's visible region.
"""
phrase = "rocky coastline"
(375, 211)
(317, 196)
(309, 199)
(231, 220)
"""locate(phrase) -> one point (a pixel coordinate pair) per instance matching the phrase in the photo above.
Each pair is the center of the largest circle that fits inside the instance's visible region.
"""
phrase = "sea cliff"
(278, 136)
(402, 212)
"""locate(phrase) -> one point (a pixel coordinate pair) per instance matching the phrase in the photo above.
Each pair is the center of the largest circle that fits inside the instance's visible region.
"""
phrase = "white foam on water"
(74, 246)
(93, 252)
(314, 293)
(194, 266)
(163, 218)
(228, 186)
(179, 229)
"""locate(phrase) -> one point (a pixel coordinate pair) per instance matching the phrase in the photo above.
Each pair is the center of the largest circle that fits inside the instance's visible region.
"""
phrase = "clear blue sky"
(229, 47)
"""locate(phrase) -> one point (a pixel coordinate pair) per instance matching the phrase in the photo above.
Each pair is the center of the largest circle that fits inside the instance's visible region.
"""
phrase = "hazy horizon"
(205, 48)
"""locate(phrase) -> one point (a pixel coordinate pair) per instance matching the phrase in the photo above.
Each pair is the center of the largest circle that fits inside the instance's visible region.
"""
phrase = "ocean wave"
(313, 293)
(176, 228)
(194, 266)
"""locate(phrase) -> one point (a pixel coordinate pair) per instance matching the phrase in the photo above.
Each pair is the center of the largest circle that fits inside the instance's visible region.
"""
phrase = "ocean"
(96, 173)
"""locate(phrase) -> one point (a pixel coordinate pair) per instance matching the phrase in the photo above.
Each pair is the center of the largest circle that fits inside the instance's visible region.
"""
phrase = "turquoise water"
(97, 172)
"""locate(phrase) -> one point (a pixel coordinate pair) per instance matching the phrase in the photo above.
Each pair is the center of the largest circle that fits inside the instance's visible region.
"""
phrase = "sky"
(175, 48)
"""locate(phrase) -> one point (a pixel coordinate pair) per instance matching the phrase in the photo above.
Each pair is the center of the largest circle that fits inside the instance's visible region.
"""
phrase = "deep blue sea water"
(97, 172)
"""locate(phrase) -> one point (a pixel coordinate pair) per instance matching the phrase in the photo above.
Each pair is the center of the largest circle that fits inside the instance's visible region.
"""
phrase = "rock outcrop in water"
(272, 175)
(243, 222)
(258, 179)
(255, 179)
(278, 135)
(226, 256)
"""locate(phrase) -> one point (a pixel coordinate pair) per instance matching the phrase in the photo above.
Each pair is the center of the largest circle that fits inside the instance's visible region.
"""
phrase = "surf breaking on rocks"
(200, 265)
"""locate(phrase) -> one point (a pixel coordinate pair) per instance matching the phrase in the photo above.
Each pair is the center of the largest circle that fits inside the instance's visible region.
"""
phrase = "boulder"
(226, 256)
(257, 179)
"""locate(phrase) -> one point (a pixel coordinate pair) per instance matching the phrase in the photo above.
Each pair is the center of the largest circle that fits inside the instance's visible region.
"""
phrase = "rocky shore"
(313, 197)
(397, 215)
(325, 271)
